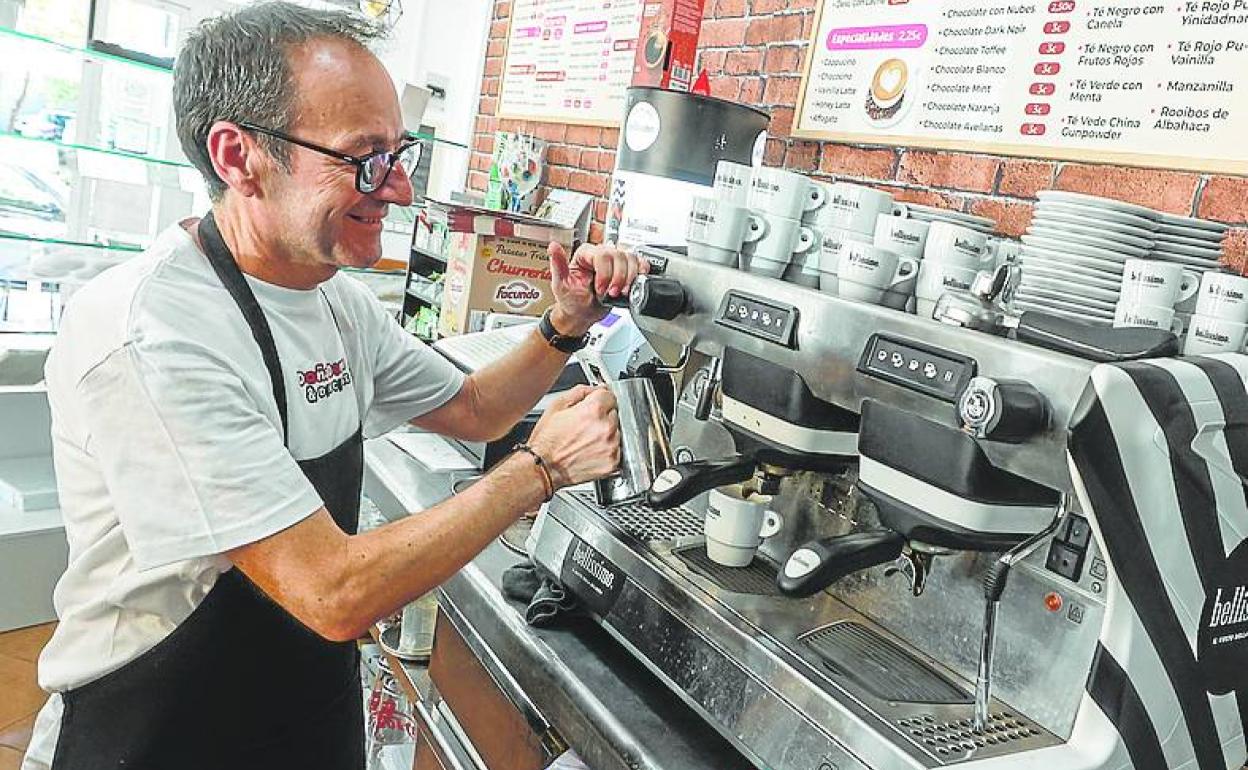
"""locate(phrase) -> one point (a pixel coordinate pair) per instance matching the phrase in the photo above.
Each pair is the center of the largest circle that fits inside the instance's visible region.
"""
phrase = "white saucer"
(1070, 247)
(1067, 259)
(971, 220)
(1034, 280)
(1188, 251)
(1096, 202)
(1194, 233)
(1107, 215)
(1107, 241)
(1199, 263)
(1192, 223)
(1054, 218)
(1056, 271)
(1091, 229)
(1071, 306)
(1165, 239)
(952, 221)
(1043, 296)
(1024, 305)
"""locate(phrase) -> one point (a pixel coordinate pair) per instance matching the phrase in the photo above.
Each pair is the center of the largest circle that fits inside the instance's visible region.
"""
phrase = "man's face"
(345, 101)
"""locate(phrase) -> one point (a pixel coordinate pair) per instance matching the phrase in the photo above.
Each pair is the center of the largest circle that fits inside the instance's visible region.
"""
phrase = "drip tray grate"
(880, 666)
(952, 739)
(645, 523)
(759, 577)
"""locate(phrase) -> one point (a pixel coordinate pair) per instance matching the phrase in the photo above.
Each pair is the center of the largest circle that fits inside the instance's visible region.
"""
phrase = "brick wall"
(754, 51)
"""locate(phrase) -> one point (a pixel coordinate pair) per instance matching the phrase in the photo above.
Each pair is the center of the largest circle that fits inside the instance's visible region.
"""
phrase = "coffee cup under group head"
(865, 271)
(1153, 282)
(856, 208)
(783, 193)
(954, 244)
(1223, 295)
(736, 524)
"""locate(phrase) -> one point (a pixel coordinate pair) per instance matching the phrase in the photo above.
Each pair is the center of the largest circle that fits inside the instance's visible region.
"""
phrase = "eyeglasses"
(372, 170)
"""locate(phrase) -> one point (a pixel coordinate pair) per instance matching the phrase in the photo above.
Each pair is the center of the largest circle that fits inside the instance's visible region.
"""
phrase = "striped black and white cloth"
(1159, 455)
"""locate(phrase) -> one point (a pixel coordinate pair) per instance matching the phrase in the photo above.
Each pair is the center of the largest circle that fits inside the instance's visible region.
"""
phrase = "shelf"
(93, 148)
(428, 254)
(63, 242)
(87, 53)
(428, 300)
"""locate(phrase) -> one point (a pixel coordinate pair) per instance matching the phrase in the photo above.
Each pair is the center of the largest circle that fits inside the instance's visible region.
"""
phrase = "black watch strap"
(556, 340)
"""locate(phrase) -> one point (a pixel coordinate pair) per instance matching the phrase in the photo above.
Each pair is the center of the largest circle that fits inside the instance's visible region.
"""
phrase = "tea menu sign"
(569, 61)
(1135, 82)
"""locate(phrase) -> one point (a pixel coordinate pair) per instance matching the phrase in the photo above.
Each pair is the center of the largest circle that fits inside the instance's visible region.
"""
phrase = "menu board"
(1134, 82)
(569, 61)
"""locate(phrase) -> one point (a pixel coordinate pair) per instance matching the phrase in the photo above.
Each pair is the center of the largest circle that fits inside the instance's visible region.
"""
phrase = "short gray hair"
(236, 67)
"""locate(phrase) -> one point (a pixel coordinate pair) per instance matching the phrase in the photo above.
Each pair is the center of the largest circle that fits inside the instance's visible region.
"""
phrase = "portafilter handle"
(820, 563)
(684, 481)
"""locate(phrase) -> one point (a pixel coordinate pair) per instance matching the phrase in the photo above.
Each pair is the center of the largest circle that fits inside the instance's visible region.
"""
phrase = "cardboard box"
(495, 263)
(668, 44)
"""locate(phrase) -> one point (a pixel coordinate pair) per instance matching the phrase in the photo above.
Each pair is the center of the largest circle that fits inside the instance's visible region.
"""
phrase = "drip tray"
(880, 666)
(950, 739)
(645, 523)
(758, 578)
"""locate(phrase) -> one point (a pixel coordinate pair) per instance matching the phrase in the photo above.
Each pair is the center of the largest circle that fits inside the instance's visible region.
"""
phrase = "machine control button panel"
(770, 320)
(917, 366)
(1069, 549)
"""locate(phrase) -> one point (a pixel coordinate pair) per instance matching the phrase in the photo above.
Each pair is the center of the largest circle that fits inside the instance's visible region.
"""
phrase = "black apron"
(240, 683)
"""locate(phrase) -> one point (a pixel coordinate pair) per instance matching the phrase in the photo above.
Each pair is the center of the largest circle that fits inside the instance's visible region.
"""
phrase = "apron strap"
(231, 276)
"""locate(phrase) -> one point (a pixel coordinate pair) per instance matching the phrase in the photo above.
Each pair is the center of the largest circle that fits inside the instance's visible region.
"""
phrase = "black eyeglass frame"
(359, 161)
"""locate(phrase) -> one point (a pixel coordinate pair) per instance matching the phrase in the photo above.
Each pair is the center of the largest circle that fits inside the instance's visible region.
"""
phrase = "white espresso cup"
(770, 253)
(830, 242)
(1127, 315)
(732, 182)
(857, 207)
(957, 245)
(865, 271)
(784, 193)
(717, 230)
(905, 236)
(937, 278)
(1223, 295)
(1214, 335)
(737, 524)
(1152, 282)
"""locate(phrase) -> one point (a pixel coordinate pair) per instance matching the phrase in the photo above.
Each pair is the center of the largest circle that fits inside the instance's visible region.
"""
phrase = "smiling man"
(216, 583)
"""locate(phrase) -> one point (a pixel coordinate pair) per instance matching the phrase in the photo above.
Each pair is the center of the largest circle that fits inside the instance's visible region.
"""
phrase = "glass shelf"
(92, 148)
(80, 51)
(63, 242)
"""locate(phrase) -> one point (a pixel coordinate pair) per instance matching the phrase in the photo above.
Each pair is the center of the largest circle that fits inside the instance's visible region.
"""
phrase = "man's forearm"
(390, 566)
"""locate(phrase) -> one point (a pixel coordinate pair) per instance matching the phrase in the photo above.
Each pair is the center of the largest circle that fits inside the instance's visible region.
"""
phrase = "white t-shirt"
(168, 443)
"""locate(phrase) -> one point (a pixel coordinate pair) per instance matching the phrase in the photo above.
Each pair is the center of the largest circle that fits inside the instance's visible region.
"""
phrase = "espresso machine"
(997, 551)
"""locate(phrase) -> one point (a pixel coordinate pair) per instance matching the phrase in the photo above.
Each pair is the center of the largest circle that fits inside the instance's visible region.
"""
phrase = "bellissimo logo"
(1232, 611)
(587, 560)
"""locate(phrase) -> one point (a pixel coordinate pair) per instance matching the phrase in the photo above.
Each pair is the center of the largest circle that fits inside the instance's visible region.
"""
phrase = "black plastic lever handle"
(1096, 343)
(682, 482)
(820, 563)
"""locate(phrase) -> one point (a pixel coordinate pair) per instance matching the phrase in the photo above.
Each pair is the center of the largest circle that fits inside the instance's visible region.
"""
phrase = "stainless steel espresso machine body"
(828, 653)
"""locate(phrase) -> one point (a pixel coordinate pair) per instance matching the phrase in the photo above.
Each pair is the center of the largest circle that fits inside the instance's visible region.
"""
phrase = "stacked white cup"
(952, 256)
(780, 198)
(720, 223)
(847, 219)
(1150, 290)
(908, 238)
(1220, 323)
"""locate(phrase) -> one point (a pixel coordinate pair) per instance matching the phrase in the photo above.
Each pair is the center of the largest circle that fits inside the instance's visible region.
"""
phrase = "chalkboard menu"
(569, 61)
(1134, 82)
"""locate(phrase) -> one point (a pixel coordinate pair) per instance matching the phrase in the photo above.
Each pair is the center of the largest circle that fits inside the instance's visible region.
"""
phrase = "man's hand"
(579, 436)
(596, 270)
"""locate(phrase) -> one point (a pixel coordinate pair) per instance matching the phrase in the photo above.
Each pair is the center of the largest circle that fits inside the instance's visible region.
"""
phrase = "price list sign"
(569, 61)
(1135, 82)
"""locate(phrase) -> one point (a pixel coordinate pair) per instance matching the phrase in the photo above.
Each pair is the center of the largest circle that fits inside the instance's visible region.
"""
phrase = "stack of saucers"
(932, 214)
(1194, 243)
(1074, 250)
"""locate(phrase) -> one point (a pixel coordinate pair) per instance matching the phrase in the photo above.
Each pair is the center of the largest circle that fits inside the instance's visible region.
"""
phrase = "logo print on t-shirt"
(324, 380)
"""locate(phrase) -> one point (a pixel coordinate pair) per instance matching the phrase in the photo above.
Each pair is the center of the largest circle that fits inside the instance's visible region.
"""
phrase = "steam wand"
(994, 586)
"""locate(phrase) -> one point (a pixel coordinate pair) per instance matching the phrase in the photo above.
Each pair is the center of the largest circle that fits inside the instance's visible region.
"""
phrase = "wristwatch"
(560, 342)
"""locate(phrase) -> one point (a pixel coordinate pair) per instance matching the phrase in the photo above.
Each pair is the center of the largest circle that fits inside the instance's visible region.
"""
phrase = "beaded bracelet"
(548, 481)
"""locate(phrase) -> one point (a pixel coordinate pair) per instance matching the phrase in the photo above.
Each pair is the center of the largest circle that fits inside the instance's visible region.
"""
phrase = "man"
(216, 584)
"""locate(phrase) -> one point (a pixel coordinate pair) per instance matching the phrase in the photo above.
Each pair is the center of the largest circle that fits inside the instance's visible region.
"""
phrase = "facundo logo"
(517, 295)
(1231, 612)
(587, 560)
